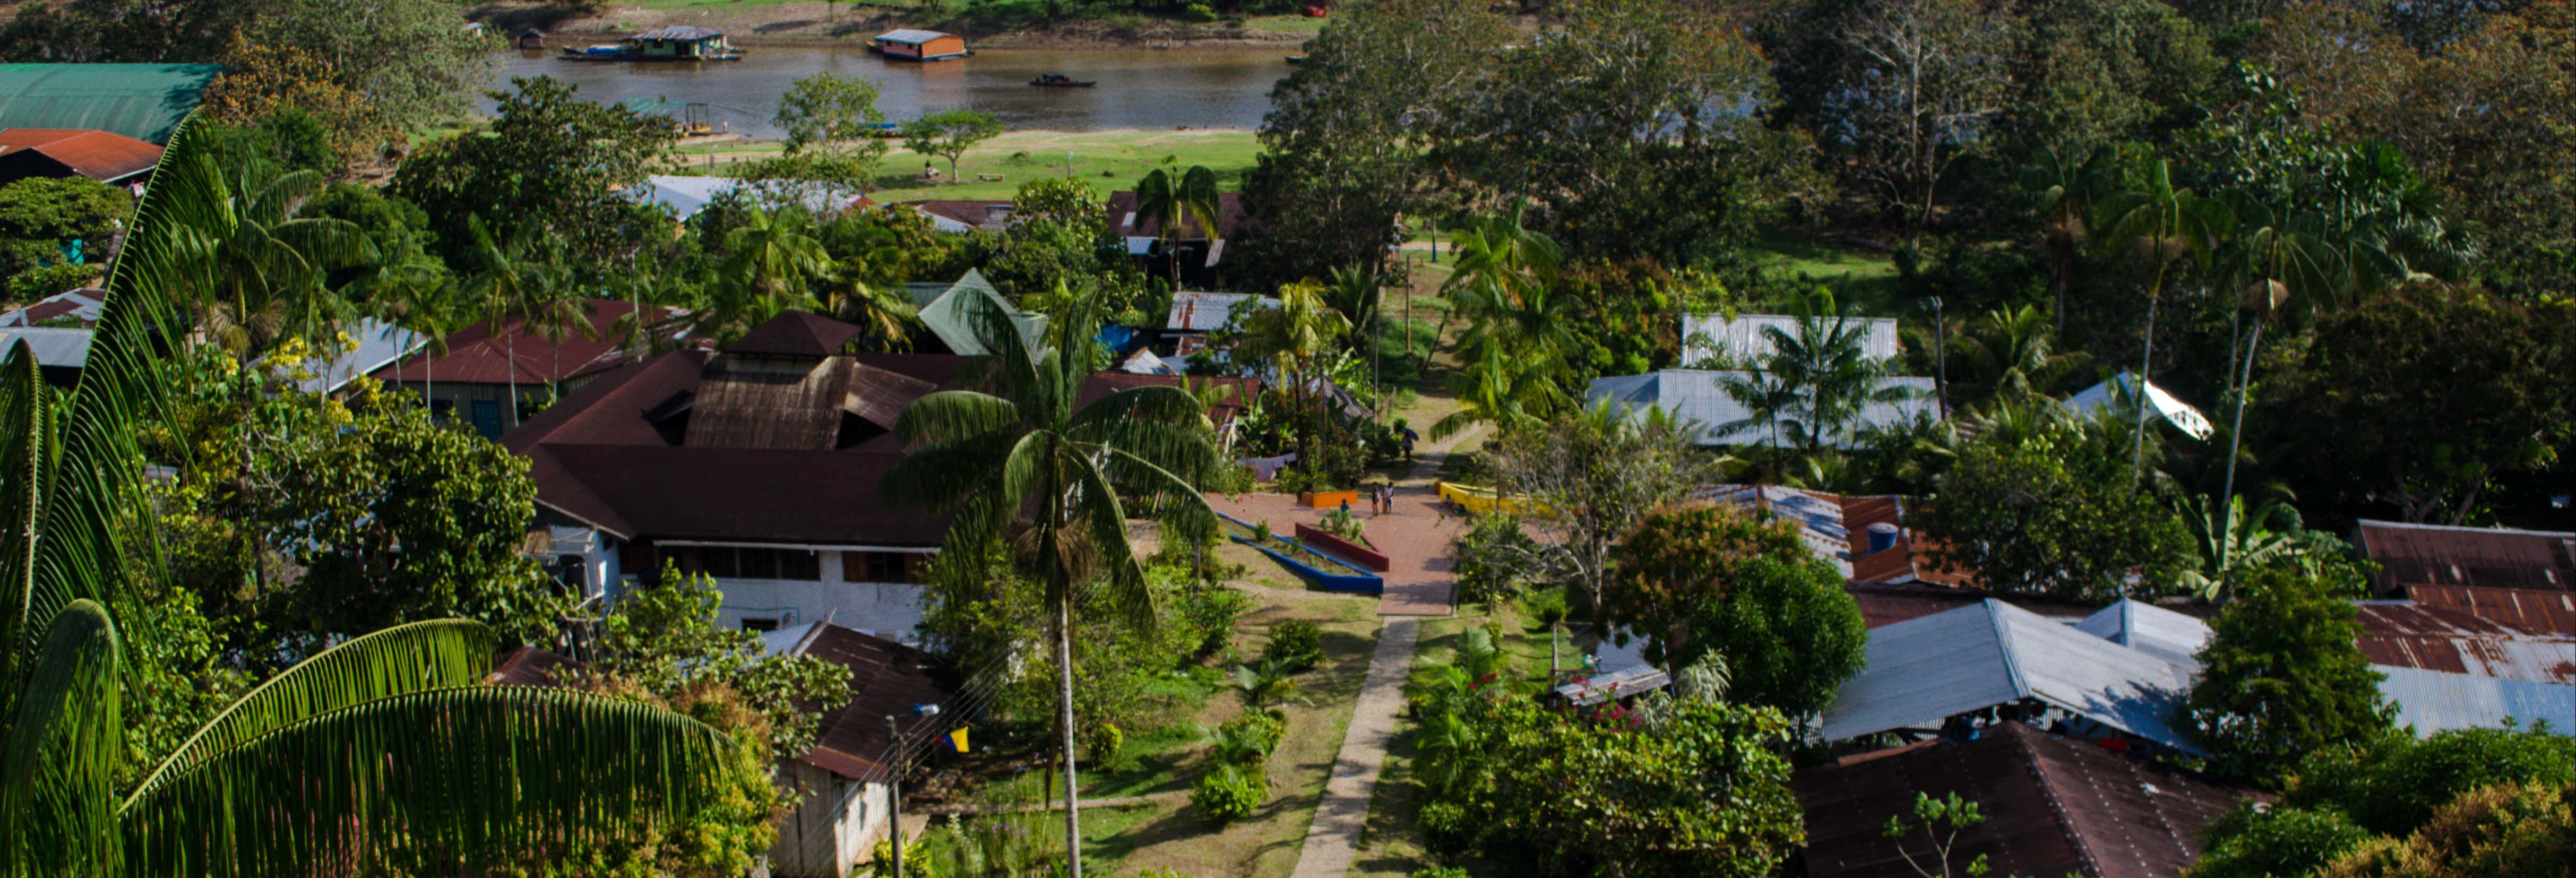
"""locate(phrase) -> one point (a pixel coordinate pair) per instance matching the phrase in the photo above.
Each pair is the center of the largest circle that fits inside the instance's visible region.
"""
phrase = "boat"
(1296, 59)
(1059, 80)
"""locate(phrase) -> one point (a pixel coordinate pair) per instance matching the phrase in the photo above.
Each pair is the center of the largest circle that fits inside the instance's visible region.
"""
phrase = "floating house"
(921, 45)
(683, 43)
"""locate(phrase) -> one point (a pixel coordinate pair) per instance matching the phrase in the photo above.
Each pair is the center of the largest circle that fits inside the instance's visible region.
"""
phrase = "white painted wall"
(885, 609)
(834, 828)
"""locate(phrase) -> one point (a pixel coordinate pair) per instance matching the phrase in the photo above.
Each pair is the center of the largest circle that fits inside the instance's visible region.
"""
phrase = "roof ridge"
(2004, 645)
(2025, 745)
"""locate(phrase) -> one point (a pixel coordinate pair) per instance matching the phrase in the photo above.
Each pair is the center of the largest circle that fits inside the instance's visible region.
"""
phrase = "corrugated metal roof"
(886, 680)
(1699, 397)
(2548, 612)
(911, 36)
(949, 313)
(99, 155)
(1926, 670)
(1818, 516)
(2148, 628)
(141, 101)
(685, 195)
(2437, 639)
(477, 355)
(379, 345)
(84, 305)
(2434, 701)
(2115, 392)
(1194, 311)
(1884, 604)
(2429, 554)
(1743, 341)
(2054, 806)
(59, 348)
(683, 33)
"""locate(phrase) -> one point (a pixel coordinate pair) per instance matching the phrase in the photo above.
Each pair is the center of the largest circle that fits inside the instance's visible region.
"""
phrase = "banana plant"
(384, 753)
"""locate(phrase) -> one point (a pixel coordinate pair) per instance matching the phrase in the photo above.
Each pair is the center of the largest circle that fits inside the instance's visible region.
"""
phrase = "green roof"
(142, 101)
(947, 309)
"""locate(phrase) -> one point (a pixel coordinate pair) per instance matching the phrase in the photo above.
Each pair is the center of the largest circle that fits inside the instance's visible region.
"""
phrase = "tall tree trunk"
(2236, 431)
(2146, 365)
(1064, 715)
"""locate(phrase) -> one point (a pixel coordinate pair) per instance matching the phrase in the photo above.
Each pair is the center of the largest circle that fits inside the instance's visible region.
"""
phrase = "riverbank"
(1020, 24)
(1108, 160)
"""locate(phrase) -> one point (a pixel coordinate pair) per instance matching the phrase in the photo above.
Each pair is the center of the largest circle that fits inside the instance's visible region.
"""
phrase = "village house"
(920, 45)
(756, 464)
(1742, 341)
(493, 381)
(2054, 805)
(104, 156)
(1699, 397)
(1199, 249)
(846, 779)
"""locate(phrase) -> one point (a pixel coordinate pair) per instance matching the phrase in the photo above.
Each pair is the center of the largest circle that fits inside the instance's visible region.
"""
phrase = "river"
(1139, 88)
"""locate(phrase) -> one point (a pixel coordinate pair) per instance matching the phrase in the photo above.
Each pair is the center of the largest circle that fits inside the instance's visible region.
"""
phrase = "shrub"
(1296, 645)
(2394, 793)
(1199, 12)
(1102, 742)
(1258, 732)
(1439, 872)
(2503, 831)
(2255, 842)
(1230, 793)
(1210, 614)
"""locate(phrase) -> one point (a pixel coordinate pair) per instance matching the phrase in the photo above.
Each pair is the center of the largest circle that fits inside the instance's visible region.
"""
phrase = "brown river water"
(1139, 88)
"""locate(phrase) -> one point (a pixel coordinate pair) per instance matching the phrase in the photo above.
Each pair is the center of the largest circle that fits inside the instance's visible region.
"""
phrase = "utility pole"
(1940, 360)
(894, 784)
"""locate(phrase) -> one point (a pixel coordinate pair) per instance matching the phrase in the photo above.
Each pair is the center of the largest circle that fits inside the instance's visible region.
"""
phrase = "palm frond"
(61, 751)
(1098, 511)
(417, 657)
(417, 783)
(950, 416)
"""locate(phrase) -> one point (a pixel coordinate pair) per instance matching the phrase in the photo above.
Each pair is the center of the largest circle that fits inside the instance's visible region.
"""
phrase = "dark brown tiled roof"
(477, 356)
(2053, 806)
(530, 666)
(1229, 218)
(2416, 554)
(795, 334)
(974, 214)
(886, 679)
(98, 155)
(1101, 385)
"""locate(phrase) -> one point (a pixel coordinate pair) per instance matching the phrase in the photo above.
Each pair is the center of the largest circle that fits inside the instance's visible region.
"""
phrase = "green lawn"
(1108, 160)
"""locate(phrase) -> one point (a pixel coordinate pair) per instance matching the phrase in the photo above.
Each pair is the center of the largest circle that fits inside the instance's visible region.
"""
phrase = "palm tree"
(263, 275)
(509, 288)
(773, 257)
(2279, 259)
(383, 750)
(2063, 192)
(1170, 199)
(1356, 292)
(1826, 363)
(1491, 391)
(1293, 335)
(2163, 224)
(2010, 355)
(1503, 258)
(432, 313)
(1018, 463)
(886, 314)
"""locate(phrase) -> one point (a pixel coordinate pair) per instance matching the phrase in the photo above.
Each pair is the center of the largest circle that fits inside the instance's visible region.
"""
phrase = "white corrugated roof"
(1202, 312)
(60, 348)
(2114, 392)
(911, 36)
(2434, 701)
(686, 195)
(379, 344)
(1926, 670)
(1699, 396)
(2149, 628)
(1743, 341)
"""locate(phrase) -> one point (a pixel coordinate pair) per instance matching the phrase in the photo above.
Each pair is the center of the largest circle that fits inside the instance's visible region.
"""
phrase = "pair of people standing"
(1382, 499)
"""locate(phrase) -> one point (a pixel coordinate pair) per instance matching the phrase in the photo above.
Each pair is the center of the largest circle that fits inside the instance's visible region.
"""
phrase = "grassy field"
(1109, 160)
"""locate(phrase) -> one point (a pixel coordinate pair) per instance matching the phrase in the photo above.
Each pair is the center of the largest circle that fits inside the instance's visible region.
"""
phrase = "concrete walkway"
(1333, 843)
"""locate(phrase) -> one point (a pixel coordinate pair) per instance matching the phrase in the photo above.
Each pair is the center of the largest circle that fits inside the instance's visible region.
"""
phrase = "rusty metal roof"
(2407, 634)
(2552, 612)
(886, 679)
(105, 156)
(530, 666)
(2053, 805)
(2424, 554)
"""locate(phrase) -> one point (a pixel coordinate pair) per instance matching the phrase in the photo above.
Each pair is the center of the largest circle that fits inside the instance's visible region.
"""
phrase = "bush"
(2503, 831)
(1199, 12)
(1439, 872)
(1230, 793)
(1102, 743)
(1259, 732)
(2398, 789)
(1210, 614)
(1296, 645)
(2255, 841)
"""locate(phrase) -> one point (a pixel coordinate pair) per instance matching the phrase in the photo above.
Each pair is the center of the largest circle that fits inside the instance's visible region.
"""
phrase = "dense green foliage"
(2049, 505)
(41, 217)
(2357, 806)
(550, 162)
(2282, 679)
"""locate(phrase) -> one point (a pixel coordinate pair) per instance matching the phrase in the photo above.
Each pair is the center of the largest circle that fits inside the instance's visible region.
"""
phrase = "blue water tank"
(1882, 537)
